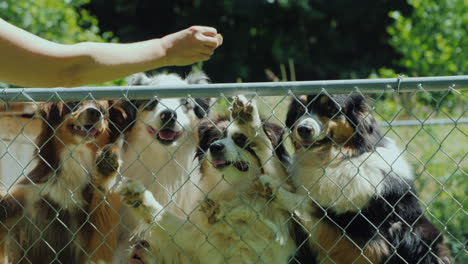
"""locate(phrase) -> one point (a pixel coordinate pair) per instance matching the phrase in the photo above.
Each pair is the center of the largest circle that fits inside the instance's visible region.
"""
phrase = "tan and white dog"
(238, 221)
(62, 211)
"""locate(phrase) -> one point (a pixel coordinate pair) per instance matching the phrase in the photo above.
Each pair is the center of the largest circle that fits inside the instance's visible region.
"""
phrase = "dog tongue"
(167, 134)
(93, 132)
(219, 162)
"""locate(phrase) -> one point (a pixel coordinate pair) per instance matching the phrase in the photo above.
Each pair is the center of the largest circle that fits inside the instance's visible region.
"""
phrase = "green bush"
(432, 41)
(56, 20)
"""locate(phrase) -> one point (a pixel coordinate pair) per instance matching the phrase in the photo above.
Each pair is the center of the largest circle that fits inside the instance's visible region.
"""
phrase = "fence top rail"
(442, 83)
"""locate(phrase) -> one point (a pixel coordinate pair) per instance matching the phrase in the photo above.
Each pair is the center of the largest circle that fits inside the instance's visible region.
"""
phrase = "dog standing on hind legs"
(160, 138)
(361, 205)
(61, 212)
(236, 221)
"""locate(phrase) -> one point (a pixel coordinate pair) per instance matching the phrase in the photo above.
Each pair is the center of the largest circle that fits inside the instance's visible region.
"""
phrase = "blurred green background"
(281, 40)
(323, 39)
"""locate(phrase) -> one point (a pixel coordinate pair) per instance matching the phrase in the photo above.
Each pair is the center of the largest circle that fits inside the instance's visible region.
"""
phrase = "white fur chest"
(248, 231)
(66, 188)
(163, 169)
(348, 184)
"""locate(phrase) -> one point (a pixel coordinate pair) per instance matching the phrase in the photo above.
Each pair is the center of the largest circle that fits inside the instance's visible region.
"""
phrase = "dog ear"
(297, 108)
(361, 111)
(202, 106)
(53, 112)
(368, 134)
(206, 135)
(275, 133)
(122, 116)
(135, 80)
(138, 79)
(198, 77)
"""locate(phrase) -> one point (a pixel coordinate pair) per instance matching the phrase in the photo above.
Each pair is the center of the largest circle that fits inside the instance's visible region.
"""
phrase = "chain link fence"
(354, 171)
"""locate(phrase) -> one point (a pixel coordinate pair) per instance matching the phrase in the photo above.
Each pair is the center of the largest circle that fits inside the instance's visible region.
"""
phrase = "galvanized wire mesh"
(66, 196)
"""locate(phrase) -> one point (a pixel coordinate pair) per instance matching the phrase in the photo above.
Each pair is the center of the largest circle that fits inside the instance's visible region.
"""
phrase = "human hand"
(194, 44)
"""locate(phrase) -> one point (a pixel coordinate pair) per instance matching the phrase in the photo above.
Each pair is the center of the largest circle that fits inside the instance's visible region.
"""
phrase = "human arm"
(28, 60)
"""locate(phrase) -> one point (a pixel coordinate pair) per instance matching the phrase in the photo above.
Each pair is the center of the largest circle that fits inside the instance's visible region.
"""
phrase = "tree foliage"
(325, 39)
(432, 41)
(56, 20)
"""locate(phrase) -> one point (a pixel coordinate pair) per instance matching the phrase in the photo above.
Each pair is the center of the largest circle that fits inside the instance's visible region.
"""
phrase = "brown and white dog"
(362, 206)
(237, 221)
(61, 211)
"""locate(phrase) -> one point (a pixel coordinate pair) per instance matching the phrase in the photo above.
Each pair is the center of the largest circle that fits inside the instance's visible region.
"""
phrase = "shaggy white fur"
(236, 223)
(347, 184)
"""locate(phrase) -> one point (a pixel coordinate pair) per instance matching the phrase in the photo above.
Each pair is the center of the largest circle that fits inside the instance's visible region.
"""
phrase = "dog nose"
(90, 116)
(168, 117)
(93, 114)
(305, 131)
(142, 244)
(216, 147)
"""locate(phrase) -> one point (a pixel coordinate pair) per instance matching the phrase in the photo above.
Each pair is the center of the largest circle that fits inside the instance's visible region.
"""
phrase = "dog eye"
(334, 111)
(72, 106)
(331, 110)
(150, 105)
(185, 103)
(240, 140)
(103, 110)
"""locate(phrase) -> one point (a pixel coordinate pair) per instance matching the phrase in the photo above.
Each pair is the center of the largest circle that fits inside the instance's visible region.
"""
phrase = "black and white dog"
(160, 137)
(236, 223)
(361, 204)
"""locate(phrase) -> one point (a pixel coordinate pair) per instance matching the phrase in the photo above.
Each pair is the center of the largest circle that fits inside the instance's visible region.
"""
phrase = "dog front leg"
(289, 201)
(244, 114)
(168, 227)
(104, 207)
(12, 205)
